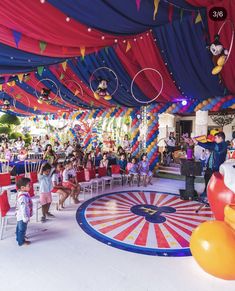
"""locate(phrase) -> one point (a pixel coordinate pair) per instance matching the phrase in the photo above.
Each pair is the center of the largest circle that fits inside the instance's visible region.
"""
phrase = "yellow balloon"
(229, 215)
(216, 70)
(221, 60)
(212, 244)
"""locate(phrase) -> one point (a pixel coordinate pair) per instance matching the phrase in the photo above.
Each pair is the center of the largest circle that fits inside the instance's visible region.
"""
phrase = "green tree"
(9, 120)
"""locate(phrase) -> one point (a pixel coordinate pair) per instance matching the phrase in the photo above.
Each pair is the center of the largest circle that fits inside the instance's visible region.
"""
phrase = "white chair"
(4, 166)
(107, 180)
(31, 166)
(86, 186)
(117, 177)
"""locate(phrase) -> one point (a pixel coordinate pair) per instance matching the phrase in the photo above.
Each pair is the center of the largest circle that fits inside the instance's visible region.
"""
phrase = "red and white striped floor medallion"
(152, 223)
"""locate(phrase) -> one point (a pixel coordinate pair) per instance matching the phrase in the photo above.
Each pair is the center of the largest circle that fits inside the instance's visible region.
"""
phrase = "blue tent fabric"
(120, 17)
(185, 51)
(13, 60)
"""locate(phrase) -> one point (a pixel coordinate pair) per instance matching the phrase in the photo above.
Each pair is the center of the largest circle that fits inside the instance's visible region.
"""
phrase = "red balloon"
(219, 195)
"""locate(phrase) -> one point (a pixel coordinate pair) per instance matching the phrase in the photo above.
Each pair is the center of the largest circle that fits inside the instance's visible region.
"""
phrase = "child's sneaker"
(50, 215)
(43, 219)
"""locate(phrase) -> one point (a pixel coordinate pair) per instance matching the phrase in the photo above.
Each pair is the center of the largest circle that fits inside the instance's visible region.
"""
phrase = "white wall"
(166, 122)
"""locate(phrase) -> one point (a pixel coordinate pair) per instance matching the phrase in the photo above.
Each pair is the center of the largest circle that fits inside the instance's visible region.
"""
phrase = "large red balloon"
(219, 195)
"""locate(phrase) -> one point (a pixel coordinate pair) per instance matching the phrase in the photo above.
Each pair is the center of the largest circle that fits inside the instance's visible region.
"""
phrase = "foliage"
(9, 119)
(28, 139)
(5, 130)
(15, 135)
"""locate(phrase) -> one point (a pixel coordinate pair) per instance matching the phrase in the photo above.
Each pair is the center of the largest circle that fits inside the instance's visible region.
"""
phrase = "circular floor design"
(152, 223)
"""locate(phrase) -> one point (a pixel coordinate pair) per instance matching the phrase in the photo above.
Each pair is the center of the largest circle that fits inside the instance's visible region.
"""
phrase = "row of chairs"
(90, 181)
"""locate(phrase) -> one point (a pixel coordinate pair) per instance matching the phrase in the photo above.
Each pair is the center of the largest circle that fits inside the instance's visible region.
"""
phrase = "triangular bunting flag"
(27, 78)
(40, 70)
(156, 3)
(11, 84)
(35, 108)
(181, 14)
(76, 92)
(18, 96)
(64, 65)
(6, 78)
(128, 46)
(138, 4)
(42, 45)
(17, 37)
(20, 77)
(0, 87)
(92, 103)
(61, 76)
(82, 51)
(198, 18)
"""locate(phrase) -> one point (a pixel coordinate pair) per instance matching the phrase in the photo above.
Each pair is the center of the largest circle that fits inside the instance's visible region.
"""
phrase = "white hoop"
(160, 92)
(15, 100)
(104, 68)
(47, 79)
(64, 83)
(232, 37)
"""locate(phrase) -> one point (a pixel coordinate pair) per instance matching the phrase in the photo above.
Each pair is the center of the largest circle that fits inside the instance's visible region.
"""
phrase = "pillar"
(201, 127)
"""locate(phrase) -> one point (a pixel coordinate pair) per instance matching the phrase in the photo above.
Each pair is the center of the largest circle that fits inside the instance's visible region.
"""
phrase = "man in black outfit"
(218, 152)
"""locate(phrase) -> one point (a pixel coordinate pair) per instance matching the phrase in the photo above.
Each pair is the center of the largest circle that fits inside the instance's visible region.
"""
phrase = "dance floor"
(67, 256)
(146, 222)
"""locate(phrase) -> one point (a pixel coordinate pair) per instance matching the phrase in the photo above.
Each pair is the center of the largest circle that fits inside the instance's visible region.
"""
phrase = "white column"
(201, 127)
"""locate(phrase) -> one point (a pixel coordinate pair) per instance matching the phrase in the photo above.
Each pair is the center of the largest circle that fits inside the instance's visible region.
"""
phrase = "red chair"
(5, 184)
(116, 170)
(6, 212)
(86, 186)
(102, 172)
(33, 177)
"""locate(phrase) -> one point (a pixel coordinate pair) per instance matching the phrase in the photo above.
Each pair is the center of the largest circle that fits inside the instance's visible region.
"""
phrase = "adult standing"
(218, 152)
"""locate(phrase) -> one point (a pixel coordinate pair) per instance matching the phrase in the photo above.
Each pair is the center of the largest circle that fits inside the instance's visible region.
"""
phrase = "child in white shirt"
(24, 210)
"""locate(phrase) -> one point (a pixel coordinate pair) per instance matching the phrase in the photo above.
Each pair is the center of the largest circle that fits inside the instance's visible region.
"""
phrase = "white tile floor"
(65, 258)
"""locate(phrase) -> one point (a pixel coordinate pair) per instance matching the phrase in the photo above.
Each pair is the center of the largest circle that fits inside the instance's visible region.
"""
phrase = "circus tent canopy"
(63, 44)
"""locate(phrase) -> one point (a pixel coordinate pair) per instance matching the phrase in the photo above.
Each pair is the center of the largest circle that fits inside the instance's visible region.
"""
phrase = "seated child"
(58, 188)
(144, 171)
(70, 181)
(122, 163)
(133, 169)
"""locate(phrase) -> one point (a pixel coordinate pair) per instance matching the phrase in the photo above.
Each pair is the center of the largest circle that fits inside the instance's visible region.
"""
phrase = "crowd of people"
(59, 177)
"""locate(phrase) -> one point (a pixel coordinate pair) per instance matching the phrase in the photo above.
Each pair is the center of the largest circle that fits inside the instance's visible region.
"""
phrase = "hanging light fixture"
(223, 118)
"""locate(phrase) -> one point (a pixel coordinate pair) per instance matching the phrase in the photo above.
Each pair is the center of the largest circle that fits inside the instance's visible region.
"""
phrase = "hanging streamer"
(170, 12)
(198, 18)
(128, 46)
(156, 4)
(138, 4)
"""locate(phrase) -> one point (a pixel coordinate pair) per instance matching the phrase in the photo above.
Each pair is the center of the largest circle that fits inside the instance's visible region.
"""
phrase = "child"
(58, 188)
(70, 181)
(122, 163)
(133, 169)
(45, 187)
(144, 171)
(24, 210)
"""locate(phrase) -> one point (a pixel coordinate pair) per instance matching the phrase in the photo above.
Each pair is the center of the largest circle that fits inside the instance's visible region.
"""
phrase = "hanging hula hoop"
(53, 85)
(232, 37)
(159, 93)
(18, 99)
(103, 68)
(65, 83)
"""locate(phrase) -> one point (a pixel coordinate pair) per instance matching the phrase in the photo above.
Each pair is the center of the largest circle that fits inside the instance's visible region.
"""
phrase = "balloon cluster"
(212, 242)
(135, 131)
(152, 137)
